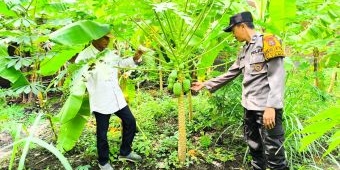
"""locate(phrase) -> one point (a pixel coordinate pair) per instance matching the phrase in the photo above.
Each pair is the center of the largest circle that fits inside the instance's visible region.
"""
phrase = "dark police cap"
(238, 18)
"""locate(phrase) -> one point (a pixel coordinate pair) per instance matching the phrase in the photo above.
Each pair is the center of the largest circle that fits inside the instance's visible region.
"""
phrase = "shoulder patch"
(272, 47)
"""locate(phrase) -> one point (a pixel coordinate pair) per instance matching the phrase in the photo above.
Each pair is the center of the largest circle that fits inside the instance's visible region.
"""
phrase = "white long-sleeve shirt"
(105, 94)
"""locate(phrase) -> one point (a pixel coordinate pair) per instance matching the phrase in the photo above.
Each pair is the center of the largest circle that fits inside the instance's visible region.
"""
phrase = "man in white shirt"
(106, 97)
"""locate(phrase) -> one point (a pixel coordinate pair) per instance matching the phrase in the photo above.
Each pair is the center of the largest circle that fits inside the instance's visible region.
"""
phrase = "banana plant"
(75, 111)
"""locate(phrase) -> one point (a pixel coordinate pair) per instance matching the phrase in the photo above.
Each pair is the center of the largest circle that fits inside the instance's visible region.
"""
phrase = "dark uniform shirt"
(263, 81)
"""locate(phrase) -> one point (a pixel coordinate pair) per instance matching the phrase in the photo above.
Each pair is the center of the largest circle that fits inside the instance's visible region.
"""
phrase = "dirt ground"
(39, 158)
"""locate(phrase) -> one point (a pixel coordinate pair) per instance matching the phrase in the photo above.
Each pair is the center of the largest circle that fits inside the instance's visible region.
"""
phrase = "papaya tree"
(190, 35)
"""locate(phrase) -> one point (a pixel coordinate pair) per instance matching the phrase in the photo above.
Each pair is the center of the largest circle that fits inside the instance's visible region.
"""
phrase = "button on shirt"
(106, 96)
(263, 81)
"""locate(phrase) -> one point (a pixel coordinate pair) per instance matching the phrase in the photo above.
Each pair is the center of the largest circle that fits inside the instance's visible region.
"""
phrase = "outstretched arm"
(214, 84)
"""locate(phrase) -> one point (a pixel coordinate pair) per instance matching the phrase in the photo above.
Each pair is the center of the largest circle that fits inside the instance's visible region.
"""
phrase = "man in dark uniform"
(261, 63)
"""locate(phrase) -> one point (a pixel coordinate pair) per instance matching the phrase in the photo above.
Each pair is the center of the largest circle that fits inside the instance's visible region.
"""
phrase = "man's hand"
(140, 51)
(196, 86)
(269, 118)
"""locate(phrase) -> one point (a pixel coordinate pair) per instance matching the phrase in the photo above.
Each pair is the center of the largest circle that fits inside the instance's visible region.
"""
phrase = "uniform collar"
(254, 37)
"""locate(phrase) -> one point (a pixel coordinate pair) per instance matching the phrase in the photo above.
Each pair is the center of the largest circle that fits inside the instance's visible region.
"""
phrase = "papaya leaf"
(80, 32)
(208, 58)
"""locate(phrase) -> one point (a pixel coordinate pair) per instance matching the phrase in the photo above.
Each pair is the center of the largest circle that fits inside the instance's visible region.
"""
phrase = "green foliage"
(9, 71)
(205, 141)
(329, 120)
(220, 154)
(4, 10)
(281, 12)
(227, 102)
(79, 33)
(10, 116)
(55, 60)
(74, 114)
(190, 33)
(209, 57)
(299, 88)
(71, 130)
(27, 143)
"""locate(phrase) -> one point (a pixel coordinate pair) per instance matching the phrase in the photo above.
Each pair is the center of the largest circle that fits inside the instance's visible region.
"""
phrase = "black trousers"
(129, 131)
(265, 145)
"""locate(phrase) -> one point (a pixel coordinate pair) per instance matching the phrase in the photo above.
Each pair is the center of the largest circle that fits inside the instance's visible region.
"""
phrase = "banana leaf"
(71, 130)
(281, 12)
(73, 114)
(80, 32)
(50, 66)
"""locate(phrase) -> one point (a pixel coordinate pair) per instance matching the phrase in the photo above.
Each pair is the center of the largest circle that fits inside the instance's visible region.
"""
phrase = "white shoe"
(107, 166)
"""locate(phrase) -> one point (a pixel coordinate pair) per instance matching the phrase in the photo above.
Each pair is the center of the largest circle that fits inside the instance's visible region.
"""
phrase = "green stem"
(165, 36)
(193, 29)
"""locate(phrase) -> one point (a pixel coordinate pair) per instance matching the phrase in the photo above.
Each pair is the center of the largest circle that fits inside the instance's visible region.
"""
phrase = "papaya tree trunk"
(332, 83)
(190, 105)
(182, 140)
(160, 80)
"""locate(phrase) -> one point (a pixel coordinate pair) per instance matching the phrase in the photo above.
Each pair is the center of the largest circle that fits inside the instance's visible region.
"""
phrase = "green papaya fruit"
(186, 85)
(181, 66)
(173, 74)
(171, 80)
(170, 86)
(177, 89)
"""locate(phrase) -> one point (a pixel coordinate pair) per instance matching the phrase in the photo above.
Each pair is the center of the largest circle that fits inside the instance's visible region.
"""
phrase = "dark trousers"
(129, 130)
(265, 145)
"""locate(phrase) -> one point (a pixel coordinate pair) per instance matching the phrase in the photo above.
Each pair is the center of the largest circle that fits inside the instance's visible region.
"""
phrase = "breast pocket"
(258, 64)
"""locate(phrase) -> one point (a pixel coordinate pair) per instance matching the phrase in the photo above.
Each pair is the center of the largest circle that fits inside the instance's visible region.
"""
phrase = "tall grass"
(302, 101)
(22, 144)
